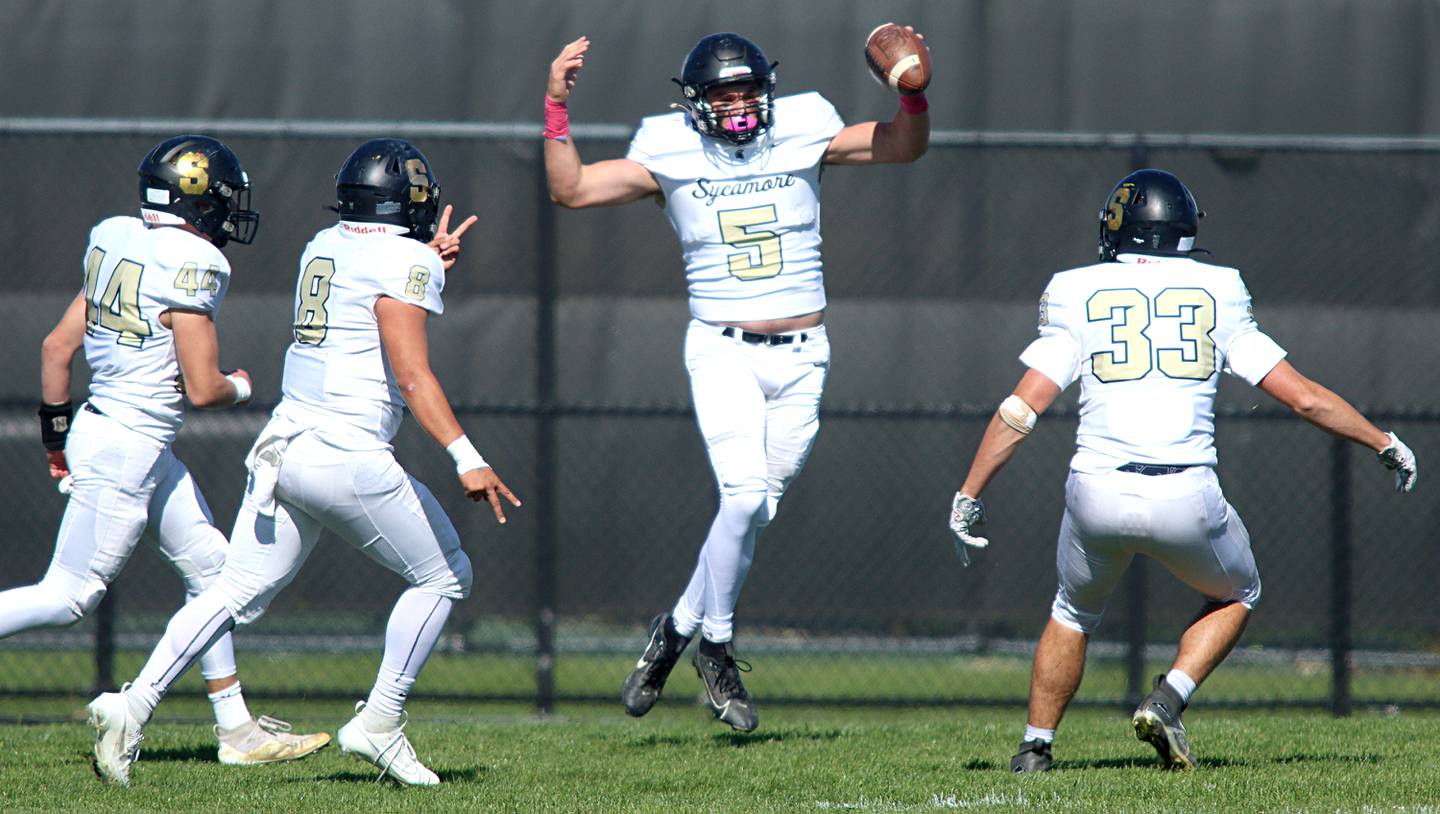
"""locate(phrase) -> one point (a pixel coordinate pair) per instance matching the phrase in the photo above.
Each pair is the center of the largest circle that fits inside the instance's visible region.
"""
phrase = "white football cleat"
(390, 750)
(267, 740)
(117, 737)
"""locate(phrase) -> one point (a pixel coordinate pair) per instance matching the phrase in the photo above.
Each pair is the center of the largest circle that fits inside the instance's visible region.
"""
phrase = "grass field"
(592, 758)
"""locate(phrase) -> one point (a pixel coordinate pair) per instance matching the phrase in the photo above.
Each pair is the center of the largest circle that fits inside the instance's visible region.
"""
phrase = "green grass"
(592, 758)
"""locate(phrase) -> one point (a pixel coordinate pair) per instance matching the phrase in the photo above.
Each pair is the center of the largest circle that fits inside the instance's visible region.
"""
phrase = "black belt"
(764, 339)
(92, 408)
(1154, 469)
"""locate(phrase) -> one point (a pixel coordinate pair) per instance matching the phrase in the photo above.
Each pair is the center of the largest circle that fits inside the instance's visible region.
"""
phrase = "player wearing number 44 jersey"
(738, 172)
(360, 355)
(152, 289)
(1147, 332)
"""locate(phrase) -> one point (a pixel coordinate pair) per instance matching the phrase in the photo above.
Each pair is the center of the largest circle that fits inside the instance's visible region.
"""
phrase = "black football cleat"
(643, 685)
(1157, 722)
(1034, 756)
(718, 669)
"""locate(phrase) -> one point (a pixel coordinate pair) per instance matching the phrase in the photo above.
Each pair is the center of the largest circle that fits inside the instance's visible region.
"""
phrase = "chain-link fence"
(561, 348)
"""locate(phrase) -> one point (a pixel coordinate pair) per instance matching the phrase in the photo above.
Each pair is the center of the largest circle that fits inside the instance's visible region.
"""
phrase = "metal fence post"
(545, 289)
(1340, 577)
(105, 643)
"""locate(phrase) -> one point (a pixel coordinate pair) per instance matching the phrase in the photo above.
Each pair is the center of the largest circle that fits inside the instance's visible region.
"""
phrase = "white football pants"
(367, 499)
(128, 486)
(758, 408)
(1182, 521)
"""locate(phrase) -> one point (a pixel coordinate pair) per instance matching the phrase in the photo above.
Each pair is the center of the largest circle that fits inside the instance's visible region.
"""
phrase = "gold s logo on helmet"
(419, 176)
(194, 173)
(1115, 212)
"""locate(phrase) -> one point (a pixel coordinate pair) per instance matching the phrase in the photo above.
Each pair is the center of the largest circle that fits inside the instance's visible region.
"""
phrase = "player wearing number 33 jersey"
(1146, 332)
(738, 172)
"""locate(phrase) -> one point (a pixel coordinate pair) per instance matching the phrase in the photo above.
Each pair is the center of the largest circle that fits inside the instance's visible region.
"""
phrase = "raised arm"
(57, 354)
(1333, 414)
(572, 183)
(407, 346)
(899, 141)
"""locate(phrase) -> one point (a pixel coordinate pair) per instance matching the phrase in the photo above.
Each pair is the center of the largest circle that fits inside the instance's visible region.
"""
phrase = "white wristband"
(242, 388)
(465, 455)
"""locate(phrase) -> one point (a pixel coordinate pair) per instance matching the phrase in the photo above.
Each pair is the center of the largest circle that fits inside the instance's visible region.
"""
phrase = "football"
(898, 58)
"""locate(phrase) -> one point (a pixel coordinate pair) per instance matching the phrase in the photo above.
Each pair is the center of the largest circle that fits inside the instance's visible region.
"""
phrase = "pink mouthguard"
(740, 124)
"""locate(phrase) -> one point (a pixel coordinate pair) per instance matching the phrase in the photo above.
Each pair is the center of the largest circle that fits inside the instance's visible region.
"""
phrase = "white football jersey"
(748, 216)
(336, 375)
(133, 274)
(1147, 336)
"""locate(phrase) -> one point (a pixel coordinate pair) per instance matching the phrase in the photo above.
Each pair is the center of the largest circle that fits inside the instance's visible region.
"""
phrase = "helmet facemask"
(710, 74)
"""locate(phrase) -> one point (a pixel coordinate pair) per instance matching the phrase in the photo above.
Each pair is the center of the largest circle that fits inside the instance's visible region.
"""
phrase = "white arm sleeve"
(1056, 353)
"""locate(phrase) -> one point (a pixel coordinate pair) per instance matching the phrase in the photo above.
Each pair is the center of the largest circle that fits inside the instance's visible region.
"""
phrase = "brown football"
(898, 58)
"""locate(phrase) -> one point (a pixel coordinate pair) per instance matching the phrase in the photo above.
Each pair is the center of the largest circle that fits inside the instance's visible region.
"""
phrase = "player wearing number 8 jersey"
(360, 356)
(1146, 332)
(738, 173)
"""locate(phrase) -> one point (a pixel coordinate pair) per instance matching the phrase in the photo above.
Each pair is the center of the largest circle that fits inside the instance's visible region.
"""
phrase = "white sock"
(1183, 685)
(230, 709)
(1035, 733)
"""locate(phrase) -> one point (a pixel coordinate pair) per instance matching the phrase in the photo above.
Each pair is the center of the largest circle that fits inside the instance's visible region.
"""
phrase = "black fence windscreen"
(560, 347)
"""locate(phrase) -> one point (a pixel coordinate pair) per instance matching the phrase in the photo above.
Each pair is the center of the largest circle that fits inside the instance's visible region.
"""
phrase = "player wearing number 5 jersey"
(360, 355)
(738, 172)
(1147, 332)
(152, 288)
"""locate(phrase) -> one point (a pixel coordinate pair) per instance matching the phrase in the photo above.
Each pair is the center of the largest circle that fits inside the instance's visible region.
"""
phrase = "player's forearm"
(562, 171)
(996, 449)
(904, 138)
(1335, 415)
(57, 353)
(428, 403)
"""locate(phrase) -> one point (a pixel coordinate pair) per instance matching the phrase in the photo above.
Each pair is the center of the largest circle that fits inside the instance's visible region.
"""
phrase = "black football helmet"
(198, 180)
(723, 59)
(388, 180)
(1149, 212)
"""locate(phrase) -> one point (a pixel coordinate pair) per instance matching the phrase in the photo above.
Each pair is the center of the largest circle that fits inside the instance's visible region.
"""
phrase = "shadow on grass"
(470, 774)
(740, 740)
(201, 754)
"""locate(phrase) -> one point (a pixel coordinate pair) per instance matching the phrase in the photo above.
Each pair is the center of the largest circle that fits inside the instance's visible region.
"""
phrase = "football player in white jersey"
(738, 172)
(1147, 332)
(146, 321)
(360, 355)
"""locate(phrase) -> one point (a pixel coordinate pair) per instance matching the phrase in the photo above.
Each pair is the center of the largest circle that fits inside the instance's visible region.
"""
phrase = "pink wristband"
(914, 103)
(557, 120)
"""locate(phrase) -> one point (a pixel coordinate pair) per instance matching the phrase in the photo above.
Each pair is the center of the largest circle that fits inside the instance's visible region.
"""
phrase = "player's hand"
(565, 68)
(966, 514)
(59, 468)
(484, 484)
(1398, 457)
(447, 243)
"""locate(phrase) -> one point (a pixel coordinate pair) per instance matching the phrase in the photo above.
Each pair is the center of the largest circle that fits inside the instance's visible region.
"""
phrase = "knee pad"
(79, 594)
(1066, 613)
(745, 507)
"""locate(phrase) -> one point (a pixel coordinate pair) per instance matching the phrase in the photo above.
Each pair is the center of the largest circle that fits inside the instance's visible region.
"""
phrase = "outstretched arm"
(407, 346)
(572, 183)
(57, 354)
(1333, 414)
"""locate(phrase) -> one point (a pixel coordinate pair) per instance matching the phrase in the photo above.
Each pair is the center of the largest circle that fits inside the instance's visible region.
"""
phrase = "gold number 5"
(760, 257)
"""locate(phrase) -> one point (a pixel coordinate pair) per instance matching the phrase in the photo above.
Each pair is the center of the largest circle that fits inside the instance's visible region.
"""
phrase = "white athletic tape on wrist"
(1017, 415)
(242, 388)
(465, 455)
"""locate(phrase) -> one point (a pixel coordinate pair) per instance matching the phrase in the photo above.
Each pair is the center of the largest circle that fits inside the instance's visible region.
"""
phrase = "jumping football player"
(738, 172)
(360, 355)
(1147, 332)
(146, 315)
